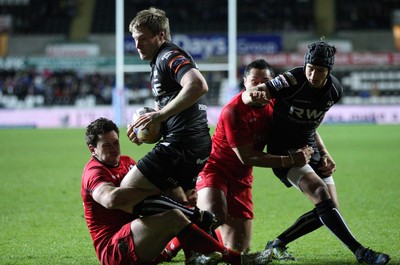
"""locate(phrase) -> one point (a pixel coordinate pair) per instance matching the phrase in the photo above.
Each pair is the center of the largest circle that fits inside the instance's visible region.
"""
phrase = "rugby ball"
(149, 135)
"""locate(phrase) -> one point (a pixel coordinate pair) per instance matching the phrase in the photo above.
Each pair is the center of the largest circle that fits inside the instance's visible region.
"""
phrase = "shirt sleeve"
(179, 64)
(286, 83)
(97, 176)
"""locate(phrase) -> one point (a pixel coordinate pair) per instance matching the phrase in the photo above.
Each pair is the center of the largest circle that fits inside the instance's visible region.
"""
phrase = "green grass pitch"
(41, 215)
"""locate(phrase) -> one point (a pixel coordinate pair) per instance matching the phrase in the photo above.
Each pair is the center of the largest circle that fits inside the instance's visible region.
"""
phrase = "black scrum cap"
(320, 53)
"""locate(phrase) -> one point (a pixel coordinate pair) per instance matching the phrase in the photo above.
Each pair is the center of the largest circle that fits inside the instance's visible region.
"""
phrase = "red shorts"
(121, 249)
(236, 188)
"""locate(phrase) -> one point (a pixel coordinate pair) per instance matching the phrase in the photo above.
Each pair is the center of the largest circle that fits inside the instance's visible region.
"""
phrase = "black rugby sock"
(305, 224)
(332, 219)
(159, 204)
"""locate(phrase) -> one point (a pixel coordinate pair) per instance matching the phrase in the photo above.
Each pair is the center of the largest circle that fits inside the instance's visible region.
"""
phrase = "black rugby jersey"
(299, 108)
(189, 127)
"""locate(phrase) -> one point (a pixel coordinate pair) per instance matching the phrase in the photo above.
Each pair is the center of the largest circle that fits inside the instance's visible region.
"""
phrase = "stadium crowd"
(64, 87)
(68, 86)
(71, 88)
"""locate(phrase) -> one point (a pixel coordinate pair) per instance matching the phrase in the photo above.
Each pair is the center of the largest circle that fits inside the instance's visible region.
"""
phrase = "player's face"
(256, 77)
(146, 43)
(316, 75)
(108, 149)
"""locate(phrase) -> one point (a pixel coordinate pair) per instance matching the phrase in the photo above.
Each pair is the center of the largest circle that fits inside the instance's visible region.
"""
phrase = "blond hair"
(154, 19)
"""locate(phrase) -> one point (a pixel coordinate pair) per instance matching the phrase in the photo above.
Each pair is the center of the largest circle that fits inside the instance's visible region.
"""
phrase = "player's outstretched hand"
(259, 97)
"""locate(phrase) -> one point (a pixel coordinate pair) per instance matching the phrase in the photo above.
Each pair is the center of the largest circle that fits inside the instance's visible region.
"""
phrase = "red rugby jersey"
(103, 223)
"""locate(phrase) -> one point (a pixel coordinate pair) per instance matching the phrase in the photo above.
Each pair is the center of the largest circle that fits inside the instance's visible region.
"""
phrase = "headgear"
(320, 53)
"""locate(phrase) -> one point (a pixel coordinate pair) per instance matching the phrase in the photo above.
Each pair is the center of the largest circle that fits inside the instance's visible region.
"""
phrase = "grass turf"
(41, 215)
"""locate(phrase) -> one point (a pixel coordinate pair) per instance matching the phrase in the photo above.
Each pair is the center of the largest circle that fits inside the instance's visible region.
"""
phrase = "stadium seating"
(23, 88)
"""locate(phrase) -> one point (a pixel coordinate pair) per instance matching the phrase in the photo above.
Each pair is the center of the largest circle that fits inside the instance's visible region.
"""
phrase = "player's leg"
(152, 233)
(332, 192)
(333, 220)
(306, 223)
(142, 240)
(174, 246)
(159, 203)
(237, 230)
(178, 194)
(136, 179)
(314, 219)
(196, 239)
(213, 200)
(309, 221)
(236, 233)
(317, 191)
(164, 168)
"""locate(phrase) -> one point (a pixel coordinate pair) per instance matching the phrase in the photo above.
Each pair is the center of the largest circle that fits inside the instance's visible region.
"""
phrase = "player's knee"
(321, 192)
(177, 218)
(220, 216)
(315, 188)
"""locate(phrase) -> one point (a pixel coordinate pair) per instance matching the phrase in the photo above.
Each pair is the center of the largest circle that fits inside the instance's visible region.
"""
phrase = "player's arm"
(112, 197)
(239, 138)
(281, 84)
(248, 156)
(328, 164)
(194, 86)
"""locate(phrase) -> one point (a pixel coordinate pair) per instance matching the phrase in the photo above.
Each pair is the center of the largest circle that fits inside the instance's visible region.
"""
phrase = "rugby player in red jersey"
(225, 184)
(120, 232)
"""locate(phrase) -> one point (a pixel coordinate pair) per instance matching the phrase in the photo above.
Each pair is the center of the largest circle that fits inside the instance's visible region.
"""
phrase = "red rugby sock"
(195, 239)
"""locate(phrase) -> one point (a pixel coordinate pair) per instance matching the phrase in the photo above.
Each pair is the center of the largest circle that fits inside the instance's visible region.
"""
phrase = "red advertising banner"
(342, 59)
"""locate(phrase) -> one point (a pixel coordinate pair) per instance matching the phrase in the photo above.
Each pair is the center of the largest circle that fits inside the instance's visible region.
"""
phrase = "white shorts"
(295, 174)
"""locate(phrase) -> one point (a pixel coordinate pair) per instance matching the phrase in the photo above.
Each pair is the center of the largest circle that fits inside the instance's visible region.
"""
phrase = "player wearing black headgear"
(321, 54)
(303, 96)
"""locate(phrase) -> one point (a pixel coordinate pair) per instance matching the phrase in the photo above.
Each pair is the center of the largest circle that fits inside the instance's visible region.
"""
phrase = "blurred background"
(58, 57)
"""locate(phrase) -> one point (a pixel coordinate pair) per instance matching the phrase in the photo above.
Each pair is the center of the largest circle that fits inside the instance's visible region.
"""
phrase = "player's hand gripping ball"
(152, 133)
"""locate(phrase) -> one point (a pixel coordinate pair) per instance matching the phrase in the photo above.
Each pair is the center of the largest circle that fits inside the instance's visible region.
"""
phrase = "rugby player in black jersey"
(179, 88)
(302, 96)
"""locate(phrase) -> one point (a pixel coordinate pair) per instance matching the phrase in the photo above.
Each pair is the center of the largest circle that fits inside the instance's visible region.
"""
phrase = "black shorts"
(169, 165)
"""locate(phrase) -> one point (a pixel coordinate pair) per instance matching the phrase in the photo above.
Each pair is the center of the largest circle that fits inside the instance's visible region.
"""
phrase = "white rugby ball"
(152, 133)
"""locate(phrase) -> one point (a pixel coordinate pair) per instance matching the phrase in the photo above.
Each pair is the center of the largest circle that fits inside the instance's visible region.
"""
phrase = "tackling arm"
(125, 199)
(248, 156)
(145, 203)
